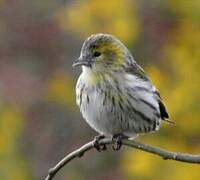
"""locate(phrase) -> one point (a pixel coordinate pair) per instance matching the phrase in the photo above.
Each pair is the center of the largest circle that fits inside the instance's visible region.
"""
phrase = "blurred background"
(39, 120)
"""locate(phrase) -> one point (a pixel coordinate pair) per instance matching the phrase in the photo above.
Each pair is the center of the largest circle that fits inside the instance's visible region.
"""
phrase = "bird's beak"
(81, 62)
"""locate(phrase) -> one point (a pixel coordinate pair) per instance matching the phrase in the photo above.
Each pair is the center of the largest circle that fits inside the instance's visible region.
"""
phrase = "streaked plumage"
(113, 92)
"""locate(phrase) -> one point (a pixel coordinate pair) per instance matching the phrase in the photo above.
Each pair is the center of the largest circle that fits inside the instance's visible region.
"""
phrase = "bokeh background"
(39, 120)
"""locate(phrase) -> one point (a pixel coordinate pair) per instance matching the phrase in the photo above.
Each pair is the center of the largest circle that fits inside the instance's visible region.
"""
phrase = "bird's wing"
(136, 70)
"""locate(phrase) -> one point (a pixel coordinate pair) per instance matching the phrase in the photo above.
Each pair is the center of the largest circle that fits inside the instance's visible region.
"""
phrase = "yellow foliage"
(60, 89)
(144, 166)
(137, 163)
(187, 10)
(184, 57)
(12, 165)
(117, 17)
(158, 79)
(10, 127)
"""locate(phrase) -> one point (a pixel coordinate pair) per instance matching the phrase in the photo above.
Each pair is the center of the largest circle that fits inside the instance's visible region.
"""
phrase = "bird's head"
(102, 52)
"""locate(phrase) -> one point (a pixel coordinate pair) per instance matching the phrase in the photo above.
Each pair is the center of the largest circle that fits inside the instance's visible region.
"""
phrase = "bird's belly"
(104, 117)
(99, 114)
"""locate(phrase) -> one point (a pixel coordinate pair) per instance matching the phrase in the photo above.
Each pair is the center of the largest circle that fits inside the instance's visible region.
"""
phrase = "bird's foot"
(96, 144)
(117, 139)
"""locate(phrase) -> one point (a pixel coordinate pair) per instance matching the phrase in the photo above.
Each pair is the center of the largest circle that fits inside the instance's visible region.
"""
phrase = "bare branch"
(184, 157)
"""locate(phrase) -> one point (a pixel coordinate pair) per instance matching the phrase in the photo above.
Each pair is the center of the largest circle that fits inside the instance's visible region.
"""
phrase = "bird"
(115, 96)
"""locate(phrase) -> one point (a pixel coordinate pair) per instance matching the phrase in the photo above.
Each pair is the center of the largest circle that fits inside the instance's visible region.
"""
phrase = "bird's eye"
(97, 54)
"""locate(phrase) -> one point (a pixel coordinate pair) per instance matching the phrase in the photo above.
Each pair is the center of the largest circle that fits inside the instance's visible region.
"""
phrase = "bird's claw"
(117, 138)
(96, 144)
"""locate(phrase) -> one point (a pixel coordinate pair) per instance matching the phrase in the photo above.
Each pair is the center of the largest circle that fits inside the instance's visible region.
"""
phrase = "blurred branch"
(188, 158)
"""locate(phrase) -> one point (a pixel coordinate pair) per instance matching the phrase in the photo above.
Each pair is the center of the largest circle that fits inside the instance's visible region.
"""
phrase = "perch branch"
(184, 157)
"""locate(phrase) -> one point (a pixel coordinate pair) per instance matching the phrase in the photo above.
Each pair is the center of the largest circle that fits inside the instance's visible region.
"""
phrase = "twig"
(184, 157)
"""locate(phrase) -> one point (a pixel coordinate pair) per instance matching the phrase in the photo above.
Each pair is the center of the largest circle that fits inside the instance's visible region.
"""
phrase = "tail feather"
(163, 111)
(168, 121)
